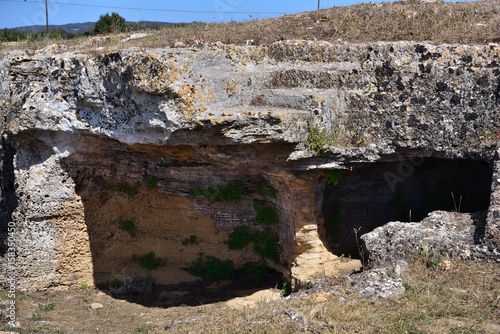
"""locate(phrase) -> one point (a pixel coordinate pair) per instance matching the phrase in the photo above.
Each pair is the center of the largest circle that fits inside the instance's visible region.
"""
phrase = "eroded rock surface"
(448, 234)
(75, 126)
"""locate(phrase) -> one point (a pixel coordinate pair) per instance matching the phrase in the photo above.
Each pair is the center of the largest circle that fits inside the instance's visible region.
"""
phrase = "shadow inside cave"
(113, 188)
(372, 195)
(196, 293)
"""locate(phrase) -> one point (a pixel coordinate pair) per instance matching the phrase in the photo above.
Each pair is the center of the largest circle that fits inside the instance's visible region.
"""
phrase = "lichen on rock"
(74, 125)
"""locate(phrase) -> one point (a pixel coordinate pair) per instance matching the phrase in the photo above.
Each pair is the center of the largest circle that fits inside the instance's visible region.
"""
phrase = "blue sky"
(16, 13)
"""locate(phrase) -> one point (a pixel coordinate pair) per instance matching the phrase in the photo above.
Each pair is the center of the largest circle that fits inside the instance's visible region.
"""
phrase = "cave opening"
(144, 207)
(371, 195)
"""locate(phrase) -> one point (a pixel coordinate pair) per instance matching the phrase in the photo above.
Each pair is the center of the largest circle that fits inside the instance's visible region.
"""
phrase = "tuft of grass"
(83, 287)
(46, 307)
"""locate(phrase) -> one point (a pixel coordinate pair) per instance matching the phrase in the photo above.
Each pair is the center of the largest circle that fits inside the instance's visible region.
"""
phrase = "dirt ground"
(87, 309)
(461, 297)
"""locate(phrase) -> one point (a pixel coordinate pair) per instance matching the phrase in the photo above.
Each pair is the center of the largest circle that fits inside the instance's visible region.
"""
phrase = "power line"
(151, 9)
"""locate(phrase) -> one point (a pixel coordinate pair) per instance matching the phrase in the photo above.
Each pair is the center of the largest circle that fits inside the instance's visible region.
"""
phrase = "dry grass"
(462, 299)
(460, 22)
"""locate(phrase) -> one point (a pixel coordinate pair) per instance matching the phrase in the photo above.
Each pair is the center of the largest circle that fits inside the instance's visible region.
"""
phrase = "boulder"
(448, 234)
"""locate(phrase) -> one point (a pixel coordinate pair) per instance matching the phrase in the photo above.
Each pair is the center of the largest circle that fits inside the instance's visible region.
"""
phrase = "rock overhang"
(247, 112)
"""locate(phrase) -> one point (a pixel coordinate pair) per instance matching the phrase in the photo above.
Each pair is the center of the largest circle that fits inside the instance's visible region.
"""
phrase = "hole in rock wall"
(169, 223)
(372, 195)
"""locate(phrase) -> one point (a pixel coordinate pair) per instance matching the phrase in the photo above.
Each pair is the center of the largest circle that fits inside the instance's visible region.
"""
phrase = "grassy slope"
(460, 22)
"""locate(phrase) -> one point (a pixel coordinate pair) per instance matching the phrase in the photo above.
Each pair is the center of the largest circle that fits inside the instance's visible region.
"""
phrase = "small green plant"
(270, 191)
(361, 250)
(286, 290)
(266, 244)
(23, 297)
(148, 260)
(83, 287)
(45, 308)
(152, 183)
(256, 272)
(265, 215)
(211, 267)
(195, 192)
(222, 193)
(126, 225)
(239, 238)
(429, 258)
(334, 176)
(126, 188)
(189, 241)
(317, 140)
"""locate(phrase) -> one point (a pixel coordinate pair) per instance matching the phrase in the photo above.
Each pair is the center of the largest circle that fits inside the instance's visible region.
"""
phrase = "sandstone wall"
(72, 125)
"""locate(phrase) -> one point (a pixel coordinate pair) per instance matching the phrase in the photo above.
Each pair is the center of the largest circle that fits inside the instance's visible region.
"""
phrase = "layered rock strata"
(76, 126)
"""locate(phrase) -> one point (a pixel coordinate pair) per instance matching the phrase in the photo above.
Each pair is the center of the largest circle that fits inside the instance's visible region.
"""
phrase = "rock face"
(449, 234)
(79, 132)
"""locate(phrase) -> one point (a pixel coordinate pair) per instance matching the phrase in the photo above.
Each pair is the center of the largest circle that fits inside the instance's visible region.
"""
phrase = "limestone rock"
(96, 306)
(376, 283)
(75, 126)
(449, 234)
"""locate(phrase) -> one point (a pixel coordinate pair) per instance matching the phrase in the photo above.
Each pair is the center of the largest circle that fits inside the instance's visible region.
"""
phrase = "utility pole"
(318, 4)
(47, 17)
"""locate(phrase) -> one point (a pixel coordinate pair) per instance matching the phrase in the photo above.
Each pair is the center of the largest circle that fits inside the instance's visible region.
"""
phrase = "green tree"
(109, 23)
(12, 35)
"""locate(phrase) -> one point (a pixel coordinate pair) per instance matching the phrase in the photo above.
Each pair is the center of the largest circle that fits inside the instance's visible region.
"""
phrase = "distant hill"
(77, 27)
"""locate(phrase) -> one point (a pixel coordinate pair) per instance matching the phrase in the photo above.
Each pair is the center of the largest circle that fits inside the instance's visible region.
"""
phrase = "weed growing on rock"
(148, 260)
(266, 244)
(286, 290)
(239, 238)
(126, 188)
(222, 193)
(152, 183)
(126, 225)
(210, 267)
(265, 215)
(189, 241)
(317, 140)
(270, 191)
(334, 176)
